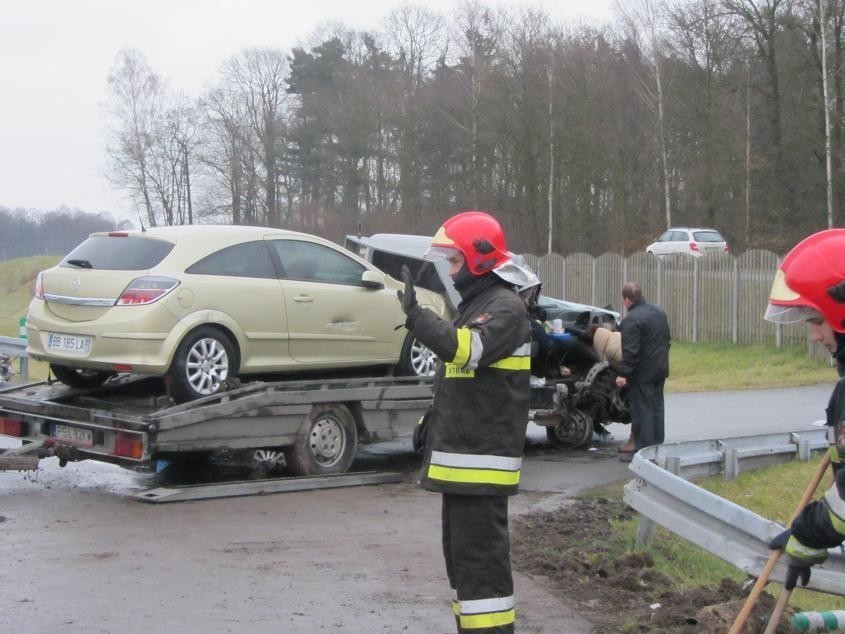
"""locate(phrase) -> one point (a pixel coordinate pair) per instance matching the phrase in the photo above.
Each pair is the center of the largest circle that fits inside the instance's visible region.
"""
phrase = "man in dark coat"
(645, 366)
(477, 423)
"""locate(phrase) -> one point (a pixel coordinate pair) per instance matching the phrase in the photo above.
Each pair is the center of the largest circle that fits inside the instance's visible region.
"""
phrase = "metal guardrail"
(15, 347)
(660, 493)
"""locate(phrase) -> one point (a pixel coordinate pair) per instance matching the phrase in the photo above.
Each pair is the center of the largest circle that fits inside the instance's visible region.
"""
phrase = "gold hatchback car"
(203, 303)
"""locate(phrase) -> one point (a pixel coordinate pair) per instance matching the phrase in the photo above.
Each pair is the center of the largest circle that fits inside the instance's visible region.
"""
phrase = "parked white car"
(694, 241)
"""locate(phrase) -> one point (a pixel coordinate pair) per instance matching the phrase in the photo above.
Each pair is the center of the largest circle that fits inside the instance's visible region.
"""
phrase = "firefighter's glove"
(800, 558)
(408, 299)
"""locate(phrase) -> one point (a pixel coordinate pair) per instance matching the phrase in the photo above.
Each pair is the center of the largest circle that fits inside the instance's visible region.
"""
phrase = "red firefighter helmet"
(811, 282)
(477, 235)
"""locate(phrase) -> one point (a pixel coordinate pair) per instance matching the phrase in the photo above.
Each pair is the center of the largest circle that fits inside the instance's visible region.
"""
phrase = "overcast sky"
(55, 56)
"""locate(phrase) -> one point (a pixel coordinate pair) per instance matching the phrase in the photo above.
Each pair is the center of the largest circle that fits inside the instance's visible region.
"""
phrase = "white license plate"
(74, 435)
(68, 343)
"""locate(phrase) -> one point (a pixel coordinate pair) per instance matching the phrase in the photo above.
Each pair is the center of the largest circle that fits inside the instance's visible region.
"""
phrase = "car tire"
(574, 430)
(79, 377)
(416, 359)
(325, 443)
(203, 361)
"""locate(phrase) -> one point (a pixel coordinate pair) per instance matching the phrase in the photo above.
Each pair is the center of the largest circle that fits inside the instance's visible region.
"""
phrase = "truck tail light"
(146, 290)
(129, 445)
(12, 427)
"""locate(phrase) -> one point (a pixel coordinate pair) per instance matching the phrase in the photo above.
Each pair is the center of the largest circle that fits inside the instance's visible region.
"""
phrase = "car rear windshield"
(118, 253)
(708, 236)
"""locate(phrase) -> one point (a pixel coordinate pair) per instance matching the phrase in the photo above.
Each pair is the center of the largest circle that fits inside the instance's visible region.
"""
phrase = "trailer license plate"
(74, 435)
(68, 343)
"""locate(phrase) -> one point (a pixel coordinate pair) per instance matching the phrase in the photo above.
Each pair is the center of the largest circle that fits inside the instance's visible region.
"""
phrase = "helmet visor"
(791, 314)
(435, 253)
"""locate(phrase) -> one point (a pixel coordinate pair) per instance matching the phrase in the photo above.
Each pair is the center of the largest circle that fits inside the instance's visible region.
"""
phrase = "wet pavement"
(79, 552)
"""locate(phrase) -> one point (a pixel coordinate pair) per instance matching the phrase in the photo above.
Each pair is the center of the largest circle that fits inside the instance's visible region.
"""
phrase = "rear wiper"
(85, 264)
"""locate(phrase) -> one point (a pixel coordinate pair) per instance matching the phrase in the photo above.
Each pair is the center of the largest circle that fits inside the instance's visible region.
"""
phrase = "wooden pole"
(760, 584)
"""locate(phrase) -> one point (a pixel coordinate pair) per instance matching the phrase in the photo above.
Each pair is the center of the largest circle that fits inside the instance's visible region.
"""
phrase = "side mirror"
(372, 279)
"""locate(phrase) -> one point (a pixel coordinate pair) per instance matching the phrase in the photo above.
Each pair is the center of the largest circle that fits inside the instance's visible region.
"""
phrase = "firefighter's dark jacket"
(821, 525)
(479, 413)
(645, 344)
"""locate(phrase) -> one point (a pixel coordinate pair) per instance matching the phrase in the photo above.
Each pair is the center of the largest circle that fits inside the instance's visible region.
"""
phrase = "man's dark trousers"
(645, 401)
(476, 547)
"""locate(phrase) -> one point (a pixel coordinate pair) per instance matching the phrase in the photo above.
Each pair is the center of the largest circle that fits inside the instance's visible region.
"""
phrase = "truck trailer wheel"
(325, 443)
(574, 430)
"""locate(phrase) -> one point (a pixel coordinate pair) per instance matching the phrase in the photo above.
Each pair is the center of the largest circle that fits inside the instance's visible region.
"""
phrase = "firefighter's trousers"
(476, 547)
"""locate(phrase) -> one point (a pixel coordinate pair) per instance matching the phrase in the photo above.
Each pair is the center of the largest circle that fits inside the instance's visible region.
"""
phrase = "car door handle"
(303, 299)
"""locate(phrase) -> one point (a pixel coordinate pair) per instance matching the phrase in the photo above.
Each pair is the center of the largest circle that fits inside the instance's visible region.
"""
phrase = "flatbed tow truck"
(317, 424)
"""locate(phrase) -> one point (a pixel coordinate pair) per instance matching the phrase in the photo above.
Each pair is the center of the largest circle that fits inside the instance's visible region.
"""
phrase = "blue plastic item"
(564, 336)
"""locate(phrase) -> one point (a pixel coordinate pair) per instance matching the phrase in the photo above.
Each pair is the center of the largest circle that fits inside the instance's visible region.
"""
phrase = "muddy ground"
(620, 593)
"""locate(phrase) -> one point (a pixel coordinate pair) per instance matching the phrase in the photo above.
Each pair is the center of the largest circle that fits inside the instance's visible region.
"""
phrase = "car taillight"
(726, 248)
(146, 290)
(12, 427)
(128, 445)
(39, 286)
(693, 246)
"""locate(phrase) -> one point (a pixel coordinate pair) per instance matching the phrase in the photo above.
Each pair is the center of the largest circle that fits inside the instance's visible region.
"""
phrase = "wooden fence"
(718, 298)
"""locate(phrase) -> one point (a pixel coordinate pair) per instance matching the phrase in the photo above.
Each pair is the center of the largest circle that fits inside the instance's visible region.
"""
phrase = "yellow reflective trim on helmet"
(440, 238)
(780, 289)
(513, 363)
(464, 347)
(493, 619)
(473, 476)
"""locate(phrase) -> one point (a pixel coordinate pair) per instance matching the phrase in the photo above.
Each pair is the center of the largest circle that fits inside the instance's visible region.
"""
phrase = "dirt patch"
(568, 547)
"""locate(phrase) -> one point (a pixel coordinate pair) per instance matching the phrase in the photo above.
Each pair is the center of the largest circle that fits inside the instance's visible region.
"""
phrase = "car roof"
(692, 229)
(177, 232)
(399, 243)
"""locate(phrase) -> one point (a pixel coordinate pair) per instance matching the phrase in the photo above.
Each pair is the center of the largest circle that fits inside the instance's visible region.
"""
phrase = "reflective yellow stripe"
(836, 522)
(456, 607)
(493, 619)
(800, 551)
(473, 476)
(455, 372)
(833, 452)
(835, 509)
(513, 363)
(464, 347)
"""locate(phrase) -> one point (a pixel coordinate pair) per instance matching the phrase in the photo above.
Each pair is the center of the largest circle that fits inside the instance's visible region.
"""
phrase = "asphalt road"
(79, 552)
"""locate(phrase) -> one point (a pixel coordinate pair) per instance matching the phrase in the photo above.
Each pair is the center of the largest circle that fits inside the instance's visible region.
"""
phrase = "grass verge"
(708, 367)
(772, 492)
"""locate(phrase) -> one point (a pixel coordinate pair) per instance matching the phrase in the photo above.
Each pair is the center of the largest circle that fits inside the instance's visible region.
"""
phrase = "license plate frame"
(73, 435)
(78, 344)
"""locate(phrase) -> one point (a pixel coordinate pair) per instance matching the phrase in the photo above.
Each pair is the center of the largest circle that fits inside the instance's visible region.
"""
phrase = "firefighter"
(810, 287)
(477, 423)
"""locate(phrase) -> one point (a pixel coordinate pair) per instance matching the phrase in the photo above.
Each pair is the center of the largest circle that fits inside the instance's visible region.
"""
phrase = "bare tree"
(258, 75)
(762, 19)
(645, 20)
(135, 106)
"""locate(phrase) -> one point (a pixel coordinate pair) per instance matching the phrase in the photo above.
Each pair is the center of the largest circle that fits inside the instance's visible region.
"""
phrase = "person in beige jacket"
(608, 345)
